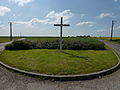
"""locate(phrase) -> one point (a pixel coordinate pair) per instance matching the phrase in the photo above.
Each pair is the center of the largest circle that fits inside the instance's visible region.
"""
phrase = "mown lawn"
(49, 61)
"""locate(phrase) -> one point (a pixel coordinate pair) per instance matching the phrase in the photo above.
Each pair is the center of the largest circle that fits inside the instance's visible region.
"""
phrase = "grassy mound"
(60, 63)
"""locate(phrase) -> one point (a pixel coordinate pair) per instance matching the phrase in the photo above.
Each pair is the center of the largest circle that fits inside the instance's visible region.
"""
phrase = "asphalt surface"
(2, 45)
(116, 47)
(10, 80)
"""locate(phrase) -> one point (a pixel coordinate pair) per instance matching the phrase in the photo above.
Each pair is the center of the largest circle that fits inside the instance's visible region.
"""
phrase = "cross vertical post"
(61, 27)
(61, 33)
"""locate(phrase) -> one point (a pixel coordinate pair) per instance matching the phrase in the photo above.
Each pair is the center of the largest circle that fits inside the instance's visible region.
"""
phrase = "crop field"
(82, 39)
(108, 38)
(115, 39)
(6, 39)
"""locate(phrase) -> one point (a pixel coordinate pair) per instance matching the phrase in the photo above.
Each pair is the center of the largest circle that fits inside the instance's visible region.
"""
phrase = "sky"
(37, 17)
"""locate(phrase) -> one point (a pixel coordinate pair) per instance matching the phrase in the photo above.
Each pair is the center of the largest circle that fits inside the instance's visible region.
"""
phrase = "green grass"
(5, 39)
(116, 41)
(61, 63)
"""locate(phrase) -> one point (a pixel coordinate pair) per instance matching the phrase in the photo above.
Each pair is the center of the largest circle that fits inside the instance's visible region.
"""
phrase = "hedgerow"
(54, 44)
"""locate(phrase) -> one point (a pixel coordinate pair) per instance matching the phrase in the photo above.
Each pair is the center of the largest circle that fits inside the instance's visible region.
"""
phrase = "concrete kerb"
(69, 77)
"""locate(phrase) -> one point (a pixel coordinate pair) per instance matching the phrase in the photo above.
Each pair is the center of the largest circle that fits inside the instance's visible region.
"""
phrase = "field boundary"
(69, 77)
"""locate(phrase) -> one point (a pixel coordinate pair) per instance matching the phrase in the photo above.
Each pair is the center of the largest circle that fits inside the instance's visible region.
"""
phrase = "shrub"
(69, 44)
(18, 45)
(83, 45)
(54, 44)
(9, 47)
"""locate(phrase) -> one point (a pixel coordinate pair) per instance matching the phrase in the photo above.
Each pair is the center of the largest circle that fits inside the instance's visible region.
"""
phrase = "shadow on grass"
(72, 55)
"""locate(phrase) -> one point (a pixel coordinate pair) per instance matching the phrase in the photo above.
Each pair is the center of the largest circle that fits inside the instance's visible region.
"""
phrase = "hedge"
(54, 44)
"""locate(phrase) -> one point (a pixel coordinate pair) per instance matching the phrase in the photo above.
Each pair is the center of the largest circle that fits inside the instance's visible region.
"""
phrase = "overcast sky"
(36, 17)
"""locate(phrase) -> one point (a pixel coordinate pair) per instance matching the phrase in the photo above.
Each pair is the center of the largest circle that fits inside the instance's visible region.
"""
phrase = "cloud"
(21, 2)
(104, 15)
(117, 28)
(51, 18)
(88, 23)
(101, 30)
(32, 21)
(2, 26)
(4, 10)
(22, 22)
(35, 20)
(115, 0)
(82, 15)
(55, 16)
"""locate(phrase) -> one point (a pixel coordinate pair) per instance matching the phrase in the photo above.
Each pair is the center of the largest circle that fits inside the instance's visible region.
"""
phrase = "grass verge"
(55, 62)
(117, 41)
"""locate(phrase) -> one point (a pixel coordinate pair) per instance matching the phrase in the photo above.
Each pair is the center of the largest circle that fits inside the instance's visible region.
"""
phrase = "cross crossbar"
(61, 25)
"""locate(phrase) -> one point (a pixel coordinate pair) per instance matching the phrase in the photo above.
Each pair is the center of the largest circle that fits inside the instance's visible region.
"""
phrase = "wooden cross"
(61, 26)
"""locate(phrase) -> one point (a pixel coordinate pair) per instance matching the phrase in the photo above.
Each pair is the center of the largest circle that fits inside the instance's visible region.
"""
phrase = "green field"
(6, 39)
(82, 39)
(57, 38)
(108, 38)
(115, 39)
(42, 38)
(60, 63)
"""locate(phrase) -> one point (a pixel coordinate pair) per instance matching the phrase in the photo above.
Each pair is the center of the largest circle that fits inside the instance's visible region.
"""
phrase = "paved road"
(3, 44)
(116, 47)
(10, 80)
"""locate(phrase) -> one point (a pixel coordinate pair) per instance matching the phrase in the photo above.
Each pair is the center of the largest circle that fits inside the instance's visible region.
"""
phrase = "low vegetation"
(52, 61)
(18, 45)
(80, 56)
(68, 43)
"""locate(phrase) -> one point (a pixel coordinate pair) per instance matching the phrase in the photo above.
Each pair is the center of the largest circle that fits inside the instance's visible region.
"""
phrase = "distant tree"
(84, 36)
(88, 36)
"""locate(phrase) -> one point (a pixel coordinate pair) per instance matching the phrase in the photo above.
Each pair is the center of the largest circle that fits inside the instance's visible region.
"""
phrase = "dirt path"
(10, 80)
